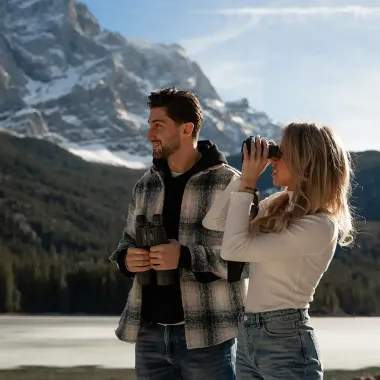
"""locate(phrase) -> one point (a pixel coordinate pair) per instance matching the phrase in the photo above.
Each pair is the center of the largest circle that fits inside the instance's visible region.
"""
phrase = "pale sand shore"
(97, 373)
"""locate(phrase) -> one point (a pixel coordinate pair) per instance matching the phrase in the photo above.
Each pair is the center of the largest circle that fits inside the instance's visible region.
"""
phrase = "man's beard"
(165, 151)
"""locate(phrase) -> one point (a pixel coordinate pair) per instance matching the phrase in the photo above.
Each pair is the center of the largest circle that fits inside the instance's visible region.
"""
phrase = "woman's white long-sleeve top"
(285, 267)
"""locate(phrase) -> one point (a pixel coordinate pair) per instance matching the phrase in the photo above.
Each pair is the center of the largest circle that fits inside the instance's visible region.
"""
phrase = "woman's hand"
(254, 164)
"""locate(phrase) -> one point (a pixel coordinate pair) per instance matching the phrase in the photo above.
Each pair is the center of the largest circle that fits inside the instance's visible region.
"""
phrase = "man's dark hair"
(181, 106)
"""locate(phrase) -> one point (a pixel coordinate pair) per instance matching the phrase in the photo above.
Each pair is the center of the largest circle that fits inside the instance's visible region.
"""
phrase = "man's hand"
(137, 260)
(165, 256)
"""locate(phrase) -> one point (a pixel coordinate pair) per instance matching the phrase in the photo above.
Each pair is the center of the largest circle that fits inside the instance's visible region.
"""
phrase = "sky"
(295, 60)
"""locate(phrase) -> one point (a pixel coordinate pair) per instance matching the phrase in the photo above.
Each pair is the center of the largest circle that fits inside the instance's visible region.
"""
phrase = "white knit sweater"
(286, 267)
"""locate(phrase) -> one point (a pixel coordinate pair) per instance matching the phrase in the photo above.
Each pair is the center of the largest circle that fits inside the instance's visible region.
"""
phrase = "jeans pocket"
(280, 329)
(309, 341)
(315, 345)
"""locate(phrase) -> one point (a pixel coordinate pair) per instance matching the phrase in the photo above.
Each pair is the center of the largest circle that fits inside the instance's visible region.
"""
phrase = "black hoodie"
(163, 304)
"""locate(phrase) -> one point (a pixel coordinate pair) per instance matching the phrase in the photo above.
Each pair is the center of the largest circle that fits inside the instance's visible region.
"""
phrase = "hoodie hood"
(210, 156)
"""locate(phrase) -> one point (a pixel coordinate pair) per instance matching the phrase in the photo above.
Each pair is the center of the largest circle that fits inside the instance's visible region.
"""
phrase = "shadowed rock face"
(64, 78)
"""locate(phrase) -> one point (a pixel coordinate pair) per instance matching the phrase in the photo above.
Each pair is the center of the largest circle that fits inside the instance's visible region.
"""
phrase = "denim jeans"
(277, 345)
(161, 354)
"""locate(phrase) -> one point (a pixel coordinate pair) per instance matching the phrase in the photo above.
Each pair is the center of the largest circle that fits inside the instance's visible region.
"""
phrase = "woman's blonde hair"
(322, 168)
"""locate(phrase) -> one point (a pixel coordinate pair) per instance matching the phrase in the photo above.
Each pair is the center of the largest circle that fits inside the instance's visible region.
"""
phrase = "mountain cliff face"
(65, 79)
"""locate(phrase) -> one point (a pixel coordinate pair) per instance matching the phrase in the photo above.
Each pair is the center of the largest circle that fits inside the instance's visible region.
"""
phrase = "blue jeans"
(277, 345)
(161, 354)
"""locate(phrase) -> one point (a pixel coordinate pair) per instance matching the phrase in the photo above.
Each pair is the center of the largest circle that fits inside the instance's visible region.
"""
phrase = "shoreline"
(339, 314)
(101, 373)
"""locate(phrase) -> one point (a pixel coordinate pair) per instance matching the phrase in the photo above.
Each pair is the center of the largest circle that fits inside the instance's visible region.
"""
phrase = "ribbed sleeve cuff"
(184, 258)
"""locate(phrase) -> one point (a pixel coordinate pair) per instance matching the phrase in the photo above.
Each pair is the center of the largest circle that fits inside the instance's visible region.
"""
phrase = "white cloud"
(356, 10)
(301, 68)
(255, 15)
(198, 44)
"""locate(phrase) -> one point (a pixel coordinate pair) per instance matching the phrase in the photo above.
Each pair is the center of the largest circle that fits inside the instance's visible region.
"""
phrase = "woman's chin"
(276, 181)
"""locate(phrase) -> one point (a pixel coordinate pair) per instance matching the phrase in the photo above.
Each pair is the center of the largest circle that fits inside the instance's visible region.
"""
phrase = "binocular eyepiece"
(274, 150)
(148, 235)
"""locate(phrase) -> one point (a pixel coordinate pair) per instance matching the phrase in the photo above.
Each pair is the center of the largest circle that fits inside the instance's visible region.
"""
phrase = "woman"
(288, 245)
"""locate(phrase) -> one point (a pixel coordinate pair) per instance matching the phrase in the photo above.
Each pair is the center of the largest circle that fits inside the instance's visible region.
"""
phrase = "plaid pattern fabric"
(210, 309)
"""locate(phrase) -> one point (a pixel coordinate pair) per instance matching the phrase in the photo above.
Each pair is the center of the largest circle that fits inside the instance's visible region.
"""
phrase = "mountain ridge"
(66, 79)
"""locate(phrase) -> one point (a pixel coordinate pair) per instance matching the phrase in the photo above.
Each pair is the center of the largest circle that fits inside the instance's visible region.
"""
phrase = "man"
(186, 330)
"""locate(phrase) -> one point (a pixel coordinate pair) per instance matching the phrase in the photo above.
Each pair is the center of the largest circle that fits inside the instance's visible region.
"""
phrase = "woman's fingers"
(265, 150)
(253, 148)
(258, 147)
(245, 152)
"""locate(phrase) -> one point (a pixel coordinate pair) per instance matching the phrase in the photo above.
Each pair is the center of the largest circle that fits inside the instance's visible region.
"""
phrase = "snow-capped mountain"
(64, 78)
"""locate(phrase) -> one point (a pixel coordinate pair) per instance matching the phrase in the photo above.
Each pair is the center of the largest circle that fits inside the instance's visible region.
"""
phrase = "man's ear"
(188, 129)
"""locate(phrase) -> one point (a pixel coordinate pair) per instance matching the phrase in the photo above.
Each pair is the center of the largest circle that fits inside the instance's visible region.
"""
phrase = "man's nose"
(149, 135)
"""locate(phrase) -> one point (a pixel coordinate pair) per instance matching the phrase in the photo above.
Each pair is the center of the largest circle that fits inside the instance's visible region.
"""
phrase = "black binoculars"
(274, 150)
(148, 235)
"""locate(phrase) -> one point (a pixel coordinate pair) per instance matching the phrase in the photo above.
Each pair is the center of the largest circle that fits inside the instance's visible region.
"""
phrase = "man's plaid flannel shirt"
(210, 309)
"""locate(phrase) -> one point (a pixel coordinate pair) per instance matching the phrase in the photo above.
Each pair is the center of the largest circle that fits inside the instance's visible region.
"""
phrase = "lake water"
(346, 343)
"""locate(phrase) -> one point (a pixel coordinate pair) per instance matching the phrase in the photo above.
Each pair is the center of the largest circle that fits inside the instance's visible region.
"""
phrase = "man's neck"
(183, 160)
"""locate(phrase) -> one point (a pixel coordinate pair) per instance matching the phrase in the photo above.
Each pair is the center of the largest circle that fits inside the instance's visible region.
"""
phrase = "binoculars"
(148, 235)
(273, 150)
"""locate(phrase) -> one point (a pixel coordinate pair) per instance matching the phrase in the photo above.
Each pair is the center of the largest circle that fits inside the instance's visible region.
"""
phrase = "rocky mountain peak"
(64, 78)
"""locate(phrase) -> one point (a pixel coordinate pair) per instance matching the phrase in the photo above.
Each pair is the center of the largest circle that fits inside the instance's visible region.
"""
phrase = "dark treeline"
(52, 283)
(42, 283)
(61, 217)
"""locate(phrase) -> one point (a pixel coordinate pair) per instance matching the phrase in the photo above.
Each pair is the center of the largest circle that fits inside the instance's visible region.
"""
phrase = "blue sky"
(314, 60)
